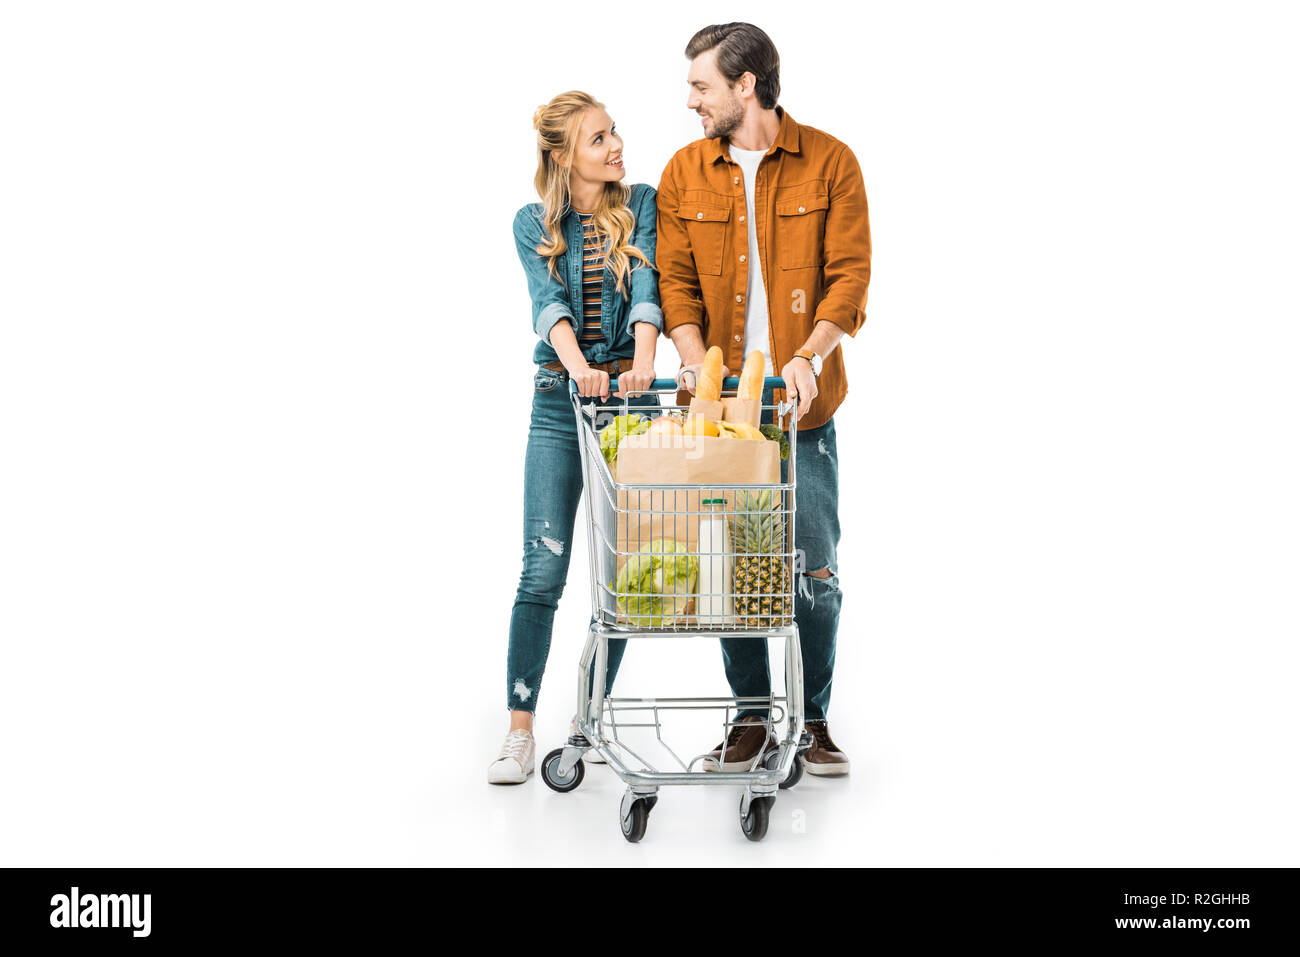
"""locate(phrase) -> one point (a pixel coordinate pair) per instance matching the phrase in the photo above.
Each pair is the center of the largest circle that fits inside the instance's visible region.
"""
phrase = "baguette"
(710, 384)
(751, 378)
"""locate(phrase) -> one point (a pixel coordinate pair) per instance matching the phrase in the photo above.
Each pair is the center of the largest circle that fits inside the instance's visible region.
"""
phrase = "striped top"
(593, 278)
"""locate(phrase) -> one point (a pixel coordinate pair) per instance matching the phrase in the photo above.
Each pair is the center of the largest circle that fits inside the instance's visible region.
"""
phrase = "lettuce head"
(616, 431)
(657, 583)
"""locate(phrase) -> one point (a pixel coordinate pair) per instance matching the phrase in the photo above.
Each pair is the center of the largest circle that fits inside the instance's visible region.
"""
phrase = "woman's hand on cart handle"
(640, 379)
(658, 385)
(590, 382)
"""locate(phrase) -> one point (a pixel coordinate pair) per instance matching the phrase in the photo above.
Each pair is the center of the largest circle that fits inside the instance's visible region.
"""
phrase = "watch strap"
(810, 356)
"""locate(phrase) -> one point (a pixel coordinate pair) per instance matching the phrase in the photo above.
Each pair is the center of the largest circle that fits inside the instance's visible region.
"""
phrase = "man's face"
(712, 97)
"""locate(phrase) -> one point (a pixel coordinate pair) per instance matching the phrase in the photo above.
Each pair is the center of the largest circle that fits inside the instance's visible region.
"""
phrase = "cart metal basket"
(693, 561)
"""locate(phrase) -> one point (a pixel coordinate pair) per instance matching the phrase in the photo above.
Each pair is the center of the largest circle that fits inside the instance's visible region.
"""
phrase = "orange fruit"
(696, 425)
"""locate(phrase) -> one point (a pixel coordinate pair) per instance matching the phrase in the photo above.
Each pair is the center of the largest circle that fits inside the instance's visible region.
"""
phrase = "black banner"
(135, 908)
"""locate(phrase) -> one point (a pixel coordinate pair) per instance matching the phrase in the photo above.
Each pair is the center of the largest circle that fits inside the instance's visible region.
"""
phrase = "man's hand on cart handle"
(800, 383)
(687, 381)
(591, 382)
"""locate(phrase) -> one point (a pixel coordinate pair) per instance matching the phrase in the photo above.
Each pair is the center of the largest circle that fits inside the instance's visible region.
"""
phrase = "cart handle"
(730, 384)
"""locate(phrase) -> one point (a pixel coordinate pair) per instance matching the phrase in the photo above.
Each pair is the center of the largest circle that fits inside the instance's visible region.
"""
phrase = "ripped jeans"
(817, 600)
(552, 490)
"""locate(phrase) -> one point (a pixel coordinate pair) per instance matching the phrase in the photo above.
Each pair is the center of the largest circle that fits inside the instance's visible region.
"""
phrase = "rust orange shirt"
(814, 248)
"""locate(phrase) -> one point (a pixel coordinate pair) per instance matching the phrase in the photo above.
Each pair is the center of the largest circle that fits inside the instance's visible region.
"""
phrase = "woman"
(588, 253)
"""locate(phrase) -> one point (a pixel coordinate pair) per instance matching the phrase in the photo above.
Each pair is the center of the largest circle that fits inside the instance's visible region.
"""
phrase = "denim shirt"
(555, 301)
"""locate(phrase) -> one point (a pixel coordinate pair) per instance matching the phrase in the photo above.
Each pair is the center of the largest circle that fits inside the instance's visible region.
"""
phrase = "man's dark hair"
(742, 48)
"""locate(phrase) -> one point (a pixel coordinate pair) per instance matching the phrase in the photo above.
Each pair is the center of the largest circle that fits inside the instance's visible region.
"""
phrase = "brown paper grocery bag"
(710, 409)
(646, 515)
(742, 411)
(730, 409)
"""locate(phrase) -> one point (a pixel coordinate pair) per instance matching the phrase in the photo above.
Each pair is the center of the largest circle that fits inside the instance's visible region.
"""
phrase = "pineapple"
(761, 578)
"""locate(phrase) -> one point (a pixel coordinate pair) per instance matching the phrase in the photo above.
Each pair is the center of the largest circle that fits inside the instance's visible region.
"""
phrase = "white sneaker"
(591, 756)
(515, 762)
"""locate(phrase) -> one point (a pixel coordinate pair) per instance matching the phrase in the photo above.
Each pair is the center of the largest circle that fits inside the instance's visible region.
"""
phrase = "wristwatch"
(813, 359)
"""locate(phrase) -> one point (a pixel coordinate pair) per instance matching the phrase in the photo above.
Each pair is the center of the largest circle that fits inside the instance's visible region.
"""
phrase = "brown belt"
(613, 367)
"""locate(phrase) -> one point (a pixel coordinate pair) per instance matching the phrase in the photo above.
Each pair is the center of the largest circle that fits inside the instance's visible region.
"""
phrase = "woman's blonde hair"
(557, 124)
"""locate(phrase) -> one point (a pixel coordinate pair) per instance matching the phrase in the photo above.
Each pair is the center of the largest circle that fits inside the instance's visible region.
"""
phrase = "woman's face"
(598, 156)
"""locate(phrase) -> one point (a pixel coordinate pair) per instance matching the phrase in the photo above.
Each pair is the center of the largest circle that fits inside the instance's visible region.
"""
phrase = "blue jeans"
(552, 489)
(817, 600)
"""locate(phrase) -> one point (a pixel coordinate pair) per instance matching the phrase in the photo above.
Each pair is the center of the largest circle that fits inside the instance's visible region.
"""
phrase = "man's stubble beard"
(727, 123)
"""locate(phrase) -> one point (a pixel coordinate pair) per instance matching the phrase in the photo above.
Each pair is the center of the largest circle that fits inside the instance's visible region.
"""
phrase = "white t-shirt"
(756, 318)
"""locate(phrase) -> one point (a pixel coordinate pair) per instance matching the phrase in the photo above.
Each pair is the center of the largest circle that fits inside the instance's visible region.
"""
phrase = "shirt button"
(801, 209)
(740, 299)
(699, 215)
(742, 258)
(737, 338)
(742, 219)
(736, 180)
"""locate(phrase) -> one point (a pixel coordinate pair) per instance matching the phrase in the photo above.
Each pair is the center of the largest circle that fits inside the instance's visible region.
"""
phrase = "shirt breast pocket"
(801, 225)
(706, 228)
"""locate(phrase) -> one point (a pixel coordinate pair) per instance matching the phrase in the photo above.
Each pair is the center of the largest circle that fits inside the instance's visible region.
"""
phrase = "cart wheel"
(754, 824)
(796, 770)
(551, 775)
(635, 820)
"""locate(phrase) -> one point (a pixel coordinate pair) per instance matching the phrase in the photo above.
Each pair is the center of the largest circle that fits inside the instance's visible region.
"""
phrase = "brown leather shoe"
(823, 758)
(741, 747)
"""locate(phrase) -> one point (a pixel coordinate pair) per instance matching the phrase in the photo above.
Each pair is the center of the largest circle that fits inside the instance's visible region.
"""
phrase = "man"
(764, 244)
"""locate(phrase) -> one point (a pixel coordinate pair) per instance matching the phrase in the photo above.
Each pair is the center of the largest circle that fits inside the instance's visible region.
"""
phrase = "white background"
(264, 392)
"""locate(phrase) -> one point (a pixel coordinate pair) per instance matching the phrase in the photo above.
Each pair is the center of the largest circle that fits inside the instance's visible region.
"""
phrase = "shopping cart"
(716, 602)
